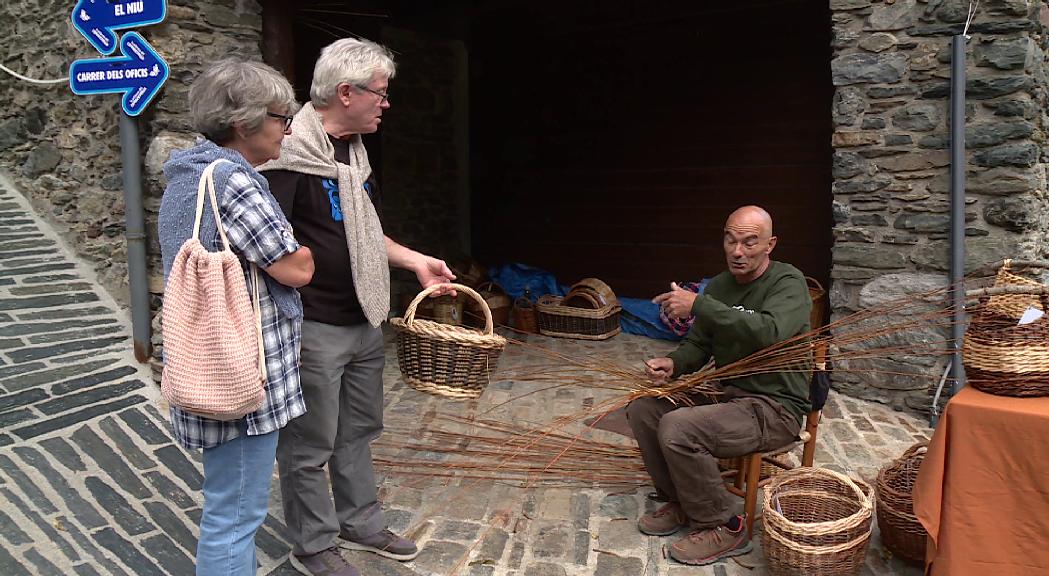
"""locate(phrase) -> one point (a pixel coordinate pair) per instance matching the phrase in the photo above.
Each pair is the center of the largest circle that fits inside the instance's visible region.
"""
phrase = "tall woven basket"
(1000, 356)
(817, 522)
(450, 361)
(901, 532)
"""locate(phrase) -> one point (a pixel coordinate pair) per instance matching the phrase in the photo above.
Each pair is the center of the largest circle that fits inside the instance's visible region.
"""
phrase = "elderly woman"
(243, 109)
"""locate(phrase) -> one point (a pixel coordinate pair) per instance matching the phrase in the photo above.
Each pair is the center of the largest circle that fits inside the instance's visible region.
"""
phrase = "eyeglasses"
(287, 119)
(383, 96)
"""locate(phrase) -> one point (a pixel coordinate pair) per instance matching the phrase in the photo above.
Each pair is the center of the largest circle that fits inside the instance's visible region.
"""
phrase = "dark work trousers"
(680, 446)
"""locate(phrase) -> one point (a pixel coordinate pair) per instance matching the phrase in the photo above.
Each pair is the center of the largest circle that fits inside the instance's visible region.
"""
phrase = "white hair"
(348, 61)
(235, 91)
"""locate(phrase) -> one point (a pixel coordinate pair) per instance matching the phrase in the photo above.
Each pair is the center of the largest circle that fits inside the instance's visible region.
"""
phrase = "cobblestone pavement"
(91, 483)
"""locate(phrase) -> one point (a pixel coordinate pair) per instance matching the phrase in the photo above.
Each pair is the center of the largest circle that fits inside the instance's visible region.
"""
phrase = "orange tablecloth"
(983, 489)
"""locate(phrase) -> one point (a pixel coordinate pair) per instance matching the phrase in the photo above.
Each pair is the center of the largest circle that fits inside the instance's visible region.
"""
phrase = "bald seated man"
(757, 302)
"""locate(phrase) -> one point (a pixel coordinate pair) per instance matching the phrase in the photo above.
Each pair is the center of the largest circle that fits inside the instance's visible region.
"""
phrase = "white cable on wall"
(31, 80)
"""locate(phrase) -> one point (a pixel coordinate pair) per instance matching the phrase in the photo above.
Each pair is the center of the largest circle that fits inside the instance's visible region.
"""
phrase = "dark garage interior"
(607, 139)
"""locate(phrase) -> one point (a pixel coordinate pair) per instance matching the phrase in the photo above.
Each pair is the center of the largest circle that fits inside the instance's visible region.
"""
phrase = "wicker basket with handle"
(901, 532)
(817, 522)
(451, 361)
(555, 319)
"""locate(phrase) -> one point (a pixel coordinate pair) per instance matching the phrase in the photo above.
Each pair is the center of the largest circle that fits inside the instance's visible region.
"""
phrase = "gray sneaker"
(383, 543)
(324, 563)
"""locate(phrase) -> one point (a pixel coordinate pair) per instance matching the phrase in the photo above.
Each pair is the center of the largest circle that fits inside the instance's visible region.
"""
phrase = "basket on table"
(1000, 356)
(451, 361)
(817, 522)
(556, 319)
(901, 532)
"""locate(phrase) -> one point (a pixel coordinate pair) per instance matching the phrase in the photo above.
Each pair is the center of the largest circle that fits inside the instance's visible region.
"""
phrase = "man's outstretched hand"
(659, 370)
(678, 302)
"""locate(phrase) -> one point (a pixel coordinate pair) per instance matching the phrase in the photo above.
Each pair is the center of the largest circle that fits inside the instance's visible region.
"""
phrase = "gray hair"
(235, 91)
(348, 61)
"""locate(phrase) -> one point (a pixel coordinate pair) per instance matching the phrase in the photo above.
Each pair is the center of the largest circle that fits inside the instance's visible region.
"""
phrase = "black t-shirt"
(311, 204)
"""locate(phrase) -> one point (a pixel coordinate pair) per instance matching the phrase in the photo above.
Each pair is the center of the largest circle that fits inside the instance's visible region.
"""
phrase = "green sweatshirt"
(735, 320)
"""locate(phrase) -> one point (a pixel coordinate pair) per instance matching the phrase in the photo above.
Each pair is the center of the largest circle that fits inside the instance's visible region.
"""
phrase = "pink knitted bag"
(214, 361)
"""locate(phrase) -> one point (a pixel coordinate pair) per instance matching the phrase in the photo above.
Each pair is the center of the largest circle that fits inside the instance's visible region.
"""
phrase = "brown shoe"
(707, 546)
(668, 519)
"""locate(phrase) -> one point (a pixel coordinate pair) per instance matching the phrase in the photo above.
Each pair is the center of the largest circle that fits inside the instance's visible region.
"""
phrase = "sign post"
(137, 74)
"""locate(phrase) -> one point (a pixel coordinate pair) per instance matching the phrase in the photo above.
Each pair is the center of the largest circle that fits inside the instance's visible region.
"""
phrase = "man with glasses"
(326, 187)
(756, 303)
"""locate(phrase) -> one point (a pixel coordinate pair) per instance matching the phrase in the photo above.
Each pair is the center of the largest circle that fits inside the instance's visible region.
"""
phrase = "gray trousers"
(341, 377)
(680, 446)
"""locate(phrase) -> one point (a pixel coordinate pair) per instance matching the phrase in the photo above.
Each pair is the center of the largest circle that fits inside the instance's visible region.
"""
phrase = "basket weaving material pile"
(1002, 357)
(901, 532)
(817, 522)
(451, 361)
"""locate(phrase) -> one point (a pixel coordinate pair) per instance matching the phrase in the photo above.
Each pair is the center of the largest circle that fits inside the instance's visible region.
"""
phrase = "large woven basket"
(901, 532)
(451, 361)
(817, 522)
(1000, 356)
(571, 322)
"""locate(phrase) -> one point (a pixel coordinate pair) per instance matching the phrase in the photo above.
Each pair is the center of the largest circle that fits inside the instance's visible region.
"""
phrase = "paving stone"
(64, 313)
(516, 554)
(42, 566)
(166, 488)
(609, 565)
(84, 512)
(19, 263)
(440, 556)
(550, 541)
(97, 558)
(493, 543)
(457, 530)
(277, 527)
(35, 270)
(7, 282)
(398, 520)
(544, 569)
(20, 399)
(581, 547)
(89, 397)
(126, 551)
(74, 335)
(110, 461)
(481, 570)
(11, 532)
(175, 460)
(580, 511)
(113, 502)
(25, 376)
(619, 506)
(85, 570)
(619, 534)
(271, 545)
(11, 343)
(145, 427)
(5, 318)
(43, 525)
(49, 278)
(26, 485)
(11, 567)
(171, 524)
(39, 252)
(39, 327)
(39, 352)
(168, 555)
(50, 288)
(64, 453)
(92, 380)
(125, 445)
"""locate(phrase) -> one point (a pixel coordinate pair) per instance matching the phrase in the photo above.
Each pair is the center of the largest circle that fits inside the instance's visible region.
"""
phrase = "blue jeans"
(236, 500)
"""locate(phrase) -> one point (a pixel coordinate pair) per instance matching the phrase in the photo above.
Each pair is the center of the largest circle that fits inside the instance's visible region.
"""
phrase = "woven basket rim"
(865, 502)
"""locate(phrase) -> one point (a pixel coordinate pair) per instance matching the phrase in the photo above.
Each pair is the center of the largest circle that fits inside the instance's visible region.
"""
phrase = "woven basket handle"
(919, 448)
(409, 314)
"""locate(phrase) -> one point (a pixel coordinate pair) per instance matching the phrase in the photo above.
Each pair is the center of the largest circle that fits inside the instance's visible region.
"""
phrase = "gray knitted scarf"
(309, 151)
(178, 208)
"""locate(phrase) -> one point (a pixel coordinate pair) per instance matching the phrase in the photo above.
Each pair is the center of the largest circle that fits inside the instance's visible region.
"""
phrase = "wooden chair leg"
(753, 479)
(741, 471)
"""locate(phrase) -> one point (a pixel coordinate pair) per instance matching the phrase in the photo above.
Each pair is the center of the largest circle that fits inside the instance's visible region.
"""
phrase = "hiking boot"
(668, 519)
(383, 543)
(324, 563)
(707, 546)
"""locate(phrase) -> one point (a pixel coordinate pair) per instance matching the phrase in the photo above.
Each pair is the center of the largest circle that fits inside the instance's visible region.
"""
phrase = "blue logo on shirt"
(332, 188)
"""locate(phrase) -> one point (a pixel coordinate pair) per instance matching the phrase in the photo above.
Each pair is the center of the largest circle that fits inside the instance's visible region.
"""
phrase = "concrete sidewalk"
(91, 482)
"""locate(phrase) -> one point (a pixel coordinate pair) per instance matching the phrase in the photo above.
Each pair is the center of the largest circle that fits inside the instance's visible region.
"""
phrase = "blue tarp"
(640, 316)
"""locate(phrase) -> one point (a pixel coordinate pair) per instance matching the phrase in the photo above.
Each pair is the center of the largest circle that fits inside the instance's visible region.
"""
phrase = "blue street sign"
(97, 19)
(139, 74)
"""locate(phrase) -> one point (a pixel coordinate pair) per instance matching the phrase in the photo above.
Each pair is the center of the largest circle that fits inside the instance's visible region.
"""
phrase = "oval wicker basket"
(817, 522)
(603, 292)
(1000, 356)
(451, 361)
(901, 532)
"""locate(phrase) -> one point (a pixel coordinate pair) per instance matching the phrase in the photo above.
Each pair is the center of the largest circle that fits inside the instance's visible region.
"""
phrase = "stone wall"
(891, 70)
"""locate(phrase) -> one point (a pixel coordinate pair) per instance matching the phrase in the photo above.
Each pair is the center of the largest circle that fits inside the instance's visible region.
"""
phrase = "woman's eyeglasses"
(287, 119)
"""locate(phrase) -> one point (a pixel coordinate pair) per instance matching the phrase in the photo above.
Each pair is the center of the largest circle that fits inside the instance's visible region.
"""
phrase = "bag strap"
(207, 185)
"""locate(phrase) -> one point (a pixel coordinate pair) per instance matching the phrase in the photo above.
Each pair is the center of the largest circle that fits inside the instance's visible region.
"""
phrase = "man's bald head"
(748, 242)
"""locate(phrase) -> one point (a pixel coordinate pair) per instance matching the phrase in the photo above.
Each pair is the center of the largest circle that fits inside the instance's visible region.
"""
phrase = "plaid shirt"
(257, 232)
